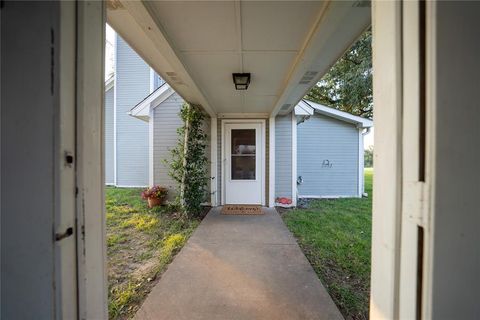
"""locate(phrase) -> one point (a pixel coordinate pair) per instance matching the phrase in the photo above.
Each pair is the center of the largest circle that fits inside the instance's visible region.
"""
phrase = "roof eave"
(339, 115)
(142, 109)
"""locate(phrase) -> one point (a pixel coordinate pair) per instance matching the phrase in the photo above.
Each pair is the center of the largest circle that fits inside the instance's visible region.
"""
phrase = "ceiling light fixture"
(241, 80)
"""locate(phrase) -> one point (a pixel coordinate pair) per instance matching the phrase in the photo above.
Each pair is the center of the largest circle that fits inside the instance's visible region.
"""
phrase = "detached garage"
(319, 153)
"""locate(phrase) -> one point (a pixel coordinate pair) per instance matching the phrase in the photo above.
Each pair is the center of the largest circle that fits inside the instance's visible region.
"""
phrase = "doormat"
(242, 209)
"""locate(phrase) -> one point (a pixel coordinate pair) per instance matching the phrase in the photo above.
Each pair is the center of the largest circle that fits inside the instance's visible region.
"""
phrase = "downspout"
(367, 131)
(299, 179)
(364, 133)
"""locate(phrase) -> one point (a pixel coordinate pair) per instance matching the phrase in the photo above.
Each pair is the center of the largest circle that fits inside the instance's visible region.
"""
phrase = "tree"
(348, 84)
(368, 157)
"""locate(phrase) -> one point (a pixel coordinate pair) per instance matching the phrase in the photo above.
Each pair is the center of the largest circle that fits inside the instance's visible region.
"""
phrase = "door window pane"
(243, 154)
(243, 168)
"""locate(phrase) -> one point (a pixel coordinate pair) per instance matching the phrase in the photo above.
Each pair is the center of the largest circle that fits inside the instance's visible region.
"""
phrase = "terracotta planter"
(155, 202)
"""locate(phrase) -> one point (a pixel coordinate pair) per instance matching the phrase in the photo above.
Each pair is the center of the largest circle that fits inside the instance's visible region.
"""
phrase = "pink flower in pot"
(155, 195)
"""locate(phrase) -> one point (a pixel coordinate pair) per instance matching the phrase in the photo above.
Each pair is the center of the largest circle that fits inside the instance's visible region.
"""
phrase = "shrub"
(188, 163)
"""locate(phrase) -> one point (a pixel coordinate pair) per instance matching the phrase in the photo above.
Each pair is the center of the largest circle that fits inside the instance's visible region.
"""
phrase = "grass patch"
(141, 242)
(336, 238)
(141, 222)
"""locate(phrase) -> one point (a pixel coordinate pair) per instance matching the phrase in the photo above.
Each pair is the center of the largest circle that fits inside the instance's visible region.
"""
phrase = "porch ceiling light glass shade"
(241, 80)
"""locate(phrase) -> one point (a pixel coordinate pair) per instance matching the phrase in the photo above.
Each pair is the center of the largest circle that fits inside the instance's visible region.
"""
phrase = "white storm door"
(243, 163)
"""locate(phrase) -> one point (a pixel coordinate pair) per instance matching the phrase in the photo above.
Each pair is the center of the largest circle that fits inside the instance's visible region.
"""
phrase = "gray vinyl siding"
(132, 84)
(165, 137)
(165, 125)
(157, 81)
(109, 141)
(283, 156)
(321, 139)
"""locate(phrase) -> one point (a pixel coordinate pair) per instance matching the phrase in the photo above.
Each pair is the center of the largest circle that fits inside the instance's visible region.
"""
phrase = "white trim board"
(213, 160)
(324, 197)
(271, 167)
(294, 159)
(90, 177)
(151, 136)
(284, 205)
(263, 126)
(109, 83)
(152, 80)
(64, 193)
(131, 186)
(115, 58)
(243, 116)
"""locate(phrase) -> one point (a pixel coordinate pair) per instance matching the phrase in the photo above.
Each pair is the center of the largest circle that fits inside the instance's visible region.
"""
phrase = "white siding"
(283, 156)
(109, 141)
(165, 137)
(321, 139)
(132, 84)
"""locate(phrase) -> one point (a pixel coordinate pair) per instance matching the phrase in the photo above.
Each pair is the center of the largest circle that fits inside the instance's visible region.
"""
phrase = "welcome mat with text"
(242, 209)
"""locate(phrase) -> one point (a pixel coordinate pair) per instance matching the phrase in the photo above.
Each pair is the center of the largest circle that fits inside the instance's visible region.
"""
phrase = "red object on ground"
(284, 200)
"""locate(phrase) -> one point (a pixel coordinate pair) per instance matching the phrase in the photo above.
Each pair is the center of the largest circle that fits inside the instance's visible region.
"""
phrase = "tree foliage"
(348, 84)
(188, 163)
(368, 157)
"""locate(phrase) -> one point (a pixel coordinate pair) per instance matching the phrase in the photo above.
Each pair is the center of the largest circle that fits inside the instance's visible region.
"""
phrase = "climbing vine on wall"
(188, 163)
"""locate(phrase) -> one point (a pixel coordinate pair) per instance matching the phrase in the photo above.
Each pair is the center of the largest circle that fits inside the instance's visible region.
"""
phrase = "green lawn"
(140, 244)
(336, 238)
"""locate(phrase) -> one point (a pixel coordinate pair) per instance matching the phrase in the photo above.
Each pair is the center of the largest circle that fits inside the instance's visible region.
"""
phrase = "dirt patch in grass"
(141, 242)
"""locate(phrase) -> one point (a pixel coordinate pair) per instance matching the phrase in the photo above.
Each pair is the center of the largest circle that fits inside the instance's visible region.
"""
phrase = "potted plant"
(154, 195)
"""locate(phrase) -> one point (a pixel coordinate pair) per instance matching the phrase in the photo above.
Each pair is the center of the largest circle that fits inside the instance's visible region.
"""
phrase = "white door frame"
(262, 138)
(91, 223)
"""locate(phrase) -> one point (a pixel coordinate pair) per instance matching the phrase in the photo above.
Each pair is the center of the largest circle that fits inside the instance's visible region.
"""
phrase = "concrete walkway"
(239, 267)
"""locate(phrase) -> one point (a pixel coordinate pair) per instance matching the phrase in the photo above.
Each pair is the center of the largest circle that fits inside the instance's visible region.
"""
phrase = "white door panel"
(243, 163)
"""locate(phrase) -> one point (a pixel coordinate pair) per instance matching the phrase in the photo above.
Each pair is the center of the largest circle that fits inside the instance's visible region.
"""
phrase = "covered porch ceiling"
(287, 46)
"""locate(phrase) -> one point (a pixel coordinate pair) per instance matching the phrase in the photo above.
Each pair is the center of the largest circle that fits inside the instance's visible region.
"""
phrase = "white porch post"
(271, 174)
(92, 277)
(115, 157)
(425, 221)
(294, 159)
(386, 217)
(213, 160)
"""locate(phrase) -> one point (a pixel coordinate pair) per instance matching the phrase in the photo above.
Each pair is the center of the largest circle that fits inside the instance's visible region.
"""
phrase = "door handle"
(66, 234)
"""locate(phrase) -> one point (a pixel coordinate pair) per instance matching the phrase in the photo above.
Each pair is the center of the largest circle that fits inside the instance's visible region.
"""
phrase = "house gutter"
(303, 119)
(367, 131)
